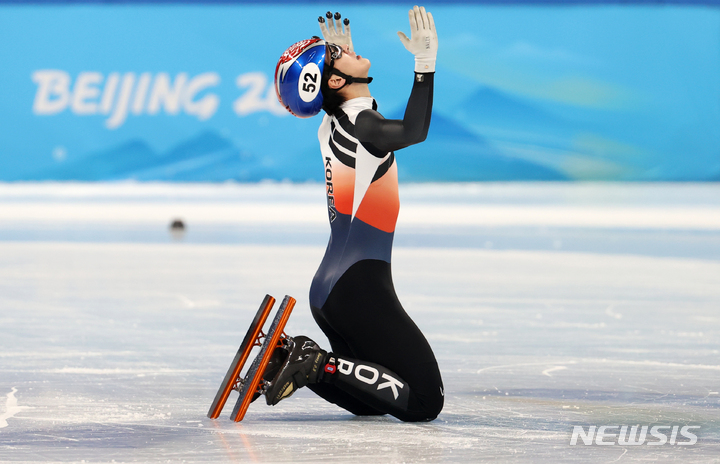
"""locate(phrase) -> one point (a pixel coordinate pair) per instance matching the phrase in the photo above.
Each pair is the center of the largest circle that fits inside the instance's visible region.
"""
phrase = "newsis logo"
(623, 435)
(119, 95)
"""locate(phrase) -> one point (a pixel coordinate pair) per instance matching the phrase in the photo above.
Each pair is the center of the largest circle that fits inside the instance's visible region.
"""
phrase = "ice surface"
(548, 306)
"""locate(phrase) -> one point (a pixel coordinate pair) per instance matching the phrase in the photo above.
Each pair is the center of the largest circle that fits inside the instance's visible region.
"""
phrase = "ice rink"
(548, 306)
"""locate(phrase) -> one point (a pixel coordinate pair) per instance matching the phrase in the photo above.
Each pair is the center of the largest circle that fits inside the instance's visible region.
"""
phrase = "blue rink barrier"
(184, 92)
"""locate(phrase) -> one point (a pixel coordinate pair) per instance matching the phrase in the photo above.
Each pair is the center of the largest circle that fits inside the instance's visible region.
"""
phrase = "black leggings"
(385, 364)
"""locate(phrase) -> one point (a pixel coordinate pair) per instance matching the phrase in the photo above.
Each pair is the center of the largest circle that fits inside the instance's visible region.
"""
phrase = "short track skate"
(252, 383)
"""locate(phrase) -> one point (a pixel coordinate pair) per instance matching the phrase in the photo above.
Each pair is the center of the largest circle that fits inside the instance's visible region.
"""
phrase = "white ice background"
(547, 305)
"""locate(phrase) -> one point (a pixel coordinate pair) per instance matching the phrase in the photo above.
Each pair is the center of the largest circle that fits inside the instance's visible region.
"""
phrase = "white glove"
(338, 36)
(423, 42)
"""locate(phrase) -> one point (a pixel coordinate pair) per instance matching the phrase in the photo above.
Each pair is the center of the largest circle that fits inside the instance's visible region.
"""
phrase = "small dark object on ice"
(177, 225)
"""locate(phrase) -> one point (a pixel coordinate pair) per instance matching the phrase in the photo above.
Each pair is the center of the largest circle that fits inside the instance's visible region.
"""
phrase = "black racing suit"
(384, 364)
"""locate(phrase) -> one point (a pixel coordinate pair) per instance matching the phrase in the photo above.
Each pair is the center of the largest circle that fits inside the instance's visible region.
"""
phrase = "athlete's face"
(346, 61)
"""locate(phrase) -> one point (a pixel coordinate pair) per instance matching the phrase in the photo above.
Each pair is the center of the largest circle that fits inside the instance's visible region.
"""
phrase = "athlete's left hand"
(423, 41)
(338, 34)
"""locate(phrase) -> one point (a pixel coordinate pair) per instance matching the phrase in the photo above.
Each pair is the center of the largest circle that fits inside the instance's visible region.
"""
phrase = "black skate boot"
(277, 359)
(303, 366)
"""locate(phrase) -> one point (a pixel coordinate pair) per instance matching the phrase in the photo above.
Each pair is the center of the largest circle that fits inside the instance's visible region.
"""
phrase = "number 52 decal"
(308, 85)
(307, 77)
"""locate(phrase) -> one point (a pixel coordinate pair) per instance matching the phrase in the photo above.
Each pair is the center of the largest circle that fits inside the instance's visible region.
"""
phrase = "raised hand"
(423, 41)
(336, 33)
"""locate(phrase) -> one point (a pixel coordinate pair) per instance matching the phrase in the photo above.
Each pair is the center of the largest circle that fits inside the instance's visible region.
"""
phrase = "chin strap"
(350, 79)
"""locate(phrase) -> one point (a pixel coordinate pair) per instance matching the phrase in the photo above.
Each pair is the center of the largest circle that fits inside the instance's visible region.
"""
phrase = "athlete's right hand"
(337, 34)
(423, 42)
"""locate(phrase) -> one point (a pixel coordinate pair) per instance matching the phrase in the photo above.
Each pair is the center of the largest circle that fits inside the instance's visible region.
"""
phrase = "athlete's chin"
(366, 65)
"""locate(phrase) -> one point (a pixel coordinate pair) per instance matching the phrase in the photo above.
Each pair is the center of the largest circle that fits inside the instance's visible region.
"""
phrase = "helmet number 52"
(309, 77)
(308, 87)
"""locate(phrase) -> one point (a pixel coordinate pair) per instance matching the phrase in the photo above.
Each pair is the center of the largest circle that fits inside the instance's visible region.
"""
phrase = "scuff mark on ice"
(610, 312)
(553, 369)
(11, 408)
